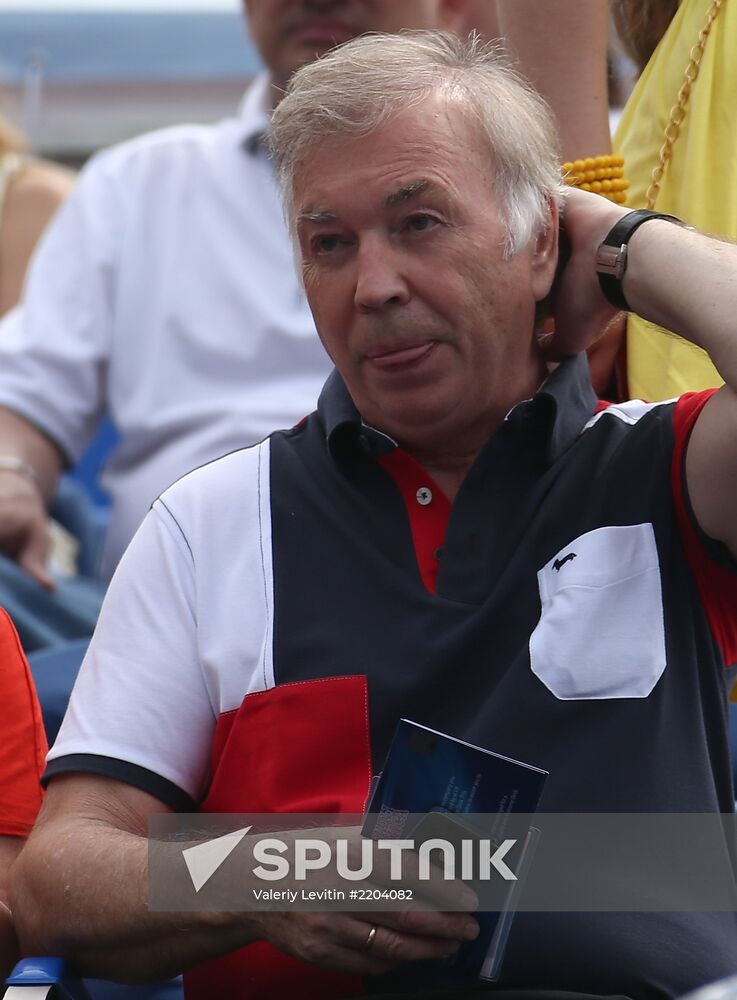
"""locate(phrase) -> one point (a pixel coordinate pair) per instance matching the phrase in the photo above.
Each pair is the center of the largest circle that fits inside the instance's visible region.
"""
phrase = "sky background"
(119, 5)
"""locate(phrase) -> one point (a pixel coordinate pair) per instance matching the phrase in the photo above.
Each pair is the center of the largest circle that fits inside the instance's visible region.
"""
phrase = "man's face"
(290, 33)
(401, 240)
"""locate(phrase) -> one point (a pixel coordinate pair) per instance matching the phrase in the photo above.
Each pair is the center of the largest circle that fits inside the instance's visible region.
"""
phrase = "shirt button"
(424, 496)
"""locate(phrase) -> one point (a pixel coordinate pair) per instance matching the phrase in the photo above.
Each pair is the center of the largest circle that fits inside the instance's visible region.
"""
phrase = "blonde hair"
(359, 86)
(11, 140)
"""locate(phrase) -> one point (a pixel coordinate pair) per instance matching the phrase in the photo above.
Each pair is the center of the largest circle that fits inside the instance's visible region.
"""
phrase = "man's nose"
(380, 281)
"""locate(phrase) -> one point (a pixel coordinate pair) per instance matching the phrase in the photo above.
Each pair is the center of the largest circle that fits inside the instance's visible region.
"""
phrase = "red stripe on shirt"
(296, 748)
(260, 972)
(717, 585)
(429, 522)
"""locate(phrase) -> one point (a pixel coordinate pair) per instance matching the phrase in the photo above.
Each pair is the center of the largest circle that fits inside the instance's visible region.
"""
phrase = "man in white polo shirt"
(165, 295)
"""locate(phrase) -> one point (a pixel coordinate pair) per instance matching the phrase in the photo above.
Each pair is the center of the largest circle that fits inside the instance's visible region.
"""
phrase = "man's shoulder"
(631, 412)
(164, 146)
(220, 475)
(239, 481)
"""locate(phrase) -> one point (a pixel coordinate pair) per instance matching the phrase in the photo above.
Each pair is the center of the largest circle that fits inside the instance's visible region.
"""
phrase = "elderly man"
(455, 535)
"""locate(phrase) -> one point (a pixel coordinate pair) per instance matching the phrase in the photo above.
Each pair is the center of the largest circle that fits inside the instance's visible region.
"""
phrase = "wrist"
(612, 254)
(11, 463)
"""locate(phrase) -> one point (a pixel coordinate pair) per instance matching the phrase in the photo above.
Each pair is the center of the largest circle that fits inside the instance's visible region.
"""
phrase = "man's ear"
(545, 254)
(453, 15)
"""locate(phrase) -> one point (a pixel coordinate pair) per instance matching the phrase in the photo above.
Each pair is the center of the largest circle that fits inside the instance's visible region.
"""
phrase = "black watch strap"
(611, 257)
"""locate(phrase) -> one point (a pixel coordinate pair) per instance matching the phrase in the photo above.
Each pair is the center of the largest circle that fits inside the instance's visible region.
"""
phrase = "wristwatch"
(611, 257)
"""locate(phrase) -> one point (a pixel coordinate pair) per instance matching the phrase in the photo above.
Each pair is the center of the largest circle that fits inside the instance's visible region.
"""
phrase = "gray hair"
(359, 86)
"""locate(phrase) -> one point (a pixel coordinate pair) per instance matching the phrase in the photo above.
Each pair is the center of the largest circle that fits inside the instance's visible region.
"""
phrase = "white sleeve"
(54, 346)
(140, 710)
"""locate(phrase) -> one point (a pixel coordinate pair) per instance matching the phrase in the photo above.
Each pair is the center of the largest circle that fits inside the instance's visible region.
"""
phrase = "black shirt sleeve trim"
(132, 774)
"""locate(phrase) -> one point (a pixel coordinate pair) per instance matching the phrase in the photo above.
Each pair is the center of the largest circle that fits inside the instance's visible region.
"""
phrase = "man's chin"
(307, 52)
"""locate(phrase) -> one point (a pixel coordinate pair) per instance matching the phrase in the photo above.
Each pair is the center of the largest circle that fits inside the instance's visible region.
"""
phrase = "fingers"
(370, 944)
(24, 533)
(374, 944)
(417, 936)
(33, 555)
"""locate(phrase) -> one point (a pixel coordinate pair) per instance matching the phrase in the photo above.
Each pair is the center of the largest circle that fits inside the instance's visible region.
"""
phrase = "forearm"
(561, 46)
(686, 282)
(105, 927)
(8, 943)
(21, 440)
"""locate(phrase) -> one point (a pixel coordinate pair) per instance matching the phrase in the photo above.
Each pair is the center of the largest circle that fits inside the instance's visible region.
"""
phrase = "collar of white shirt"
(254, 113)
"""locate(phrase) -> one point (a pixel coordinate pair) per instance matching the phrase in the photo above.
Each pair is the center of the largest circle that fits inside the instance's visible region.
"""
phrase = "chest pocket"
(601, 632)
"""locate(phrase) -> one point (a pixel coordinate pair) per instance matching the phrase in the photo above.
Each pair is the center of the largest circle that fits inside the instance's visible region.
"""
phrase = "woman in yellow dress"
(697, 163)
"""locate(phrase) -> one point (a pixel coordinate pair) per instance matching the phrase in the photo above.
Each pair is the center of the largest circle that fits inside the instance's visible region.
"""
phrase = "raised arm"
(686, 282)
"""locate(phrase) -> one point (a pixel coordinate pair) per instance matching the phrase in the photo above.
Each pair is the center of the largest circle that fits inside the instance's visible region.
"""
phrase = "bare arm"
(80, 891)
(686, 282)
(23, 498)
(32, 199)
(693, 291)
(561, 46)
(9, 850)
(91, 834)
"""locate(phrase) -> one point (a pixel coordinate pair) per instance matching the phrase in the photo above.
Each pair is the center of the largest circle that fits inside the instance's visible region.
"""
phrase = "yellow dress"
(699, 184)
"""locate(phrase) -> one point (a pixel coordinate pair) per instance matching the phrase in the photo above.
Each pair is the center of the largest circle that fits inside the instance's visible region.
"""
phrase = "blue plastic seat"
(54, 671)
(52, 978)
(49, 977)
(76, 511)
(90, 465)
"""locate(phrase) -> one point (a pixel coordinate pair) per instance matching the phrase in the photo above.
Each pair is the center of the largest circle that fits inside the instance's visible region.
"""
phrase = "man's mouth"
(398, 356)
(323, 32)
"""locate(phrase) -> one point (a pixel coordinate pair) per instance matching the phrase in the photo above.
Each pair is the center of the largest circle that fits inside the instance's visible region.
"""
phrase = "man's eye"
(326, 244)
(420, 223)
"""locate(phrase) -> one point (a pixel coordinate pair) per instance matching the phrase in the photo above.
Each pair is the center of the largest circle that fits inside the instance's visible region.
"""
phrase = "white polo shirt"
(165, 293)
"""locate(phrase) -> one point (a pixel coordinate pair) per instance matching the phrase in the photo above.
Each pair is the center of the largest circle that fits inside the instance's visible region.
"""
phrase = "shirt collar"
(563, 404)
(255, 114)
(345, 430)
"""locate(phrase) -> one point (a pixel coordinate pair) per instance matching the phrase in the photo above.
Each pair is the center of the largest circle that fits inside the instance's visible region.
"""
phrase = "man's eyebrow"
(316, 217)
(409, 191)
(402, 194)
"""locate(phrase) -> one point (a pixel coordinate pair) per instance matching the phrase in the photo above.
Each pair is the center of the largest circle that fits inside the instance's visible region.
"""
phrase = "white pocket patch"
(601, 632)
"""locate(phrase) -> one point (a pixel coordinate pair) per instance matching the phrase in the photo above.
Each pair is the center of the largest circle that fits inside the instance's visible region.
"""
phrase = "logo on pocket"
(560, 563)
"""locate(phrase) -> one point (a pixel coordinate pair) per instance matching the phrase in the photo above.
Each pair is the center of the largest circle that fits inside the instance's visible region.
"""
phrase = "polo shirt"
(280, 609)
(165, 294)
